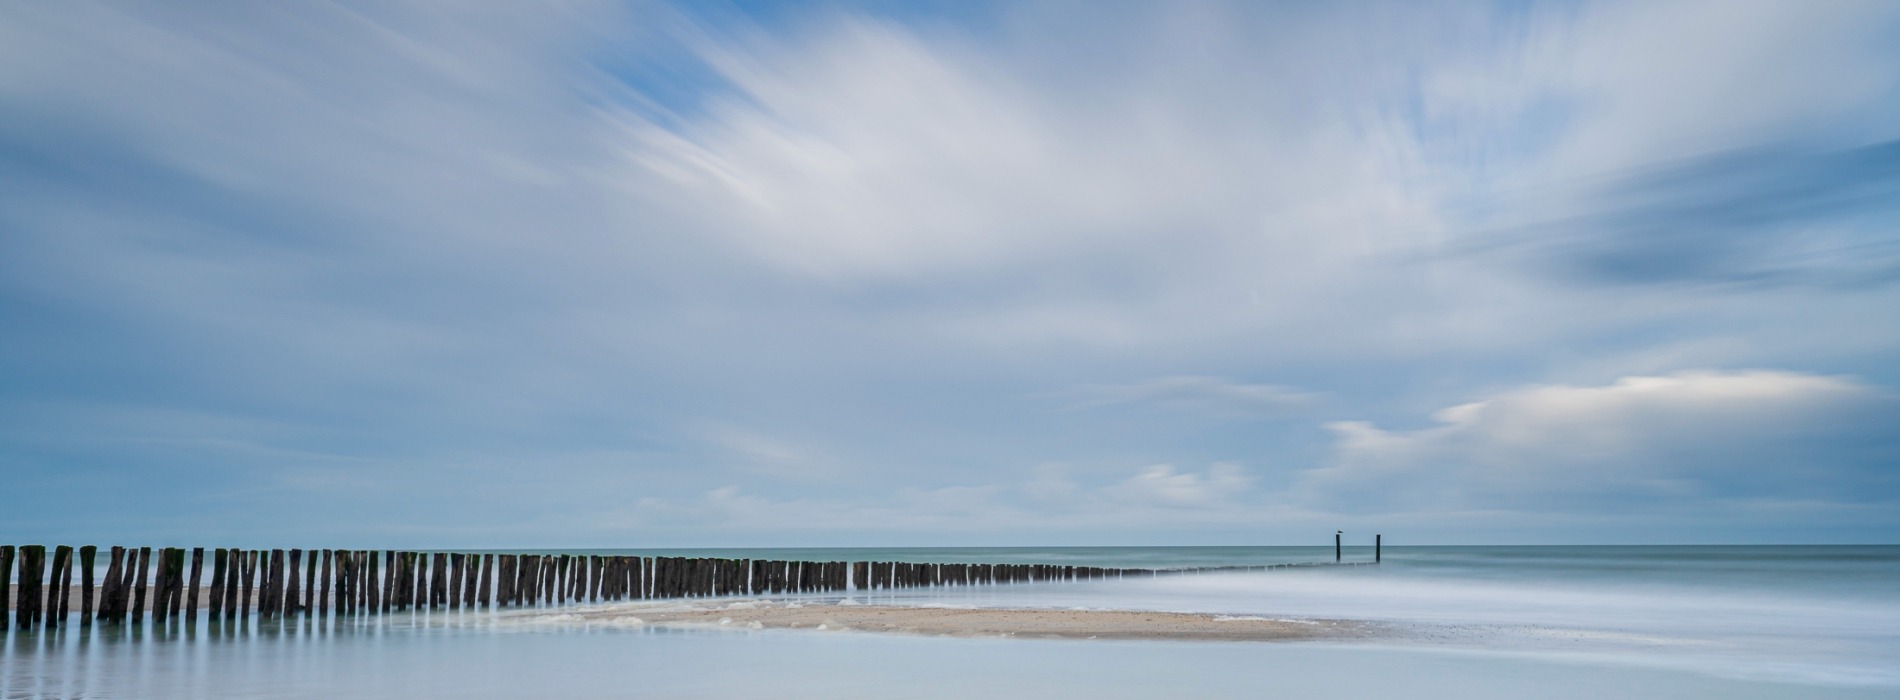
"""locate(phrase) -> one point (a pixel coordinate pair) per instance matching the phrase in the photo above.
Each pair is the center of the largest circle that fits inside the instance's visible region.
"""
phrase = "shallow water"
(1481, 622)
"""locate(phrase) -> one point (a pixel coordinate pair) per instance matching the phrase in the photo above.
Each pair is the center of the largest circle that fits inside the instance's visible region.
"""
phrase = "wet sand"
(982, 622)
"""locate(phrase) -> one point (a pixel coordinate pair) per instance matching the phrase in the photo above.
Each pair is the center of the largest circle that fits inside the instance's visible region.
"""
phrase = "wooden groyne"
(171, 582)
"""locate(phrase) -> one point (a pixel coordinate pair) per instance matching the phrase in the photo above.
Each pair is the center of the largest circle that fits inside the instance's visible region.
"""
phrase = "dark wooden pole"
(138, 585)
(482, 588)
(373, 585)
(112, 592)
(293, 592)
(57, 599)
(6, 584)
(175, 594)
(123, 607)
(1336, 548)
(249, 582)
(197, 572)
(1378, 548)
(323, 597)
(86, 554)
(220, 562)
(232, 583)
(310, 584)
(456, 562)
(365, 593)
(161, 585)
(27, 601)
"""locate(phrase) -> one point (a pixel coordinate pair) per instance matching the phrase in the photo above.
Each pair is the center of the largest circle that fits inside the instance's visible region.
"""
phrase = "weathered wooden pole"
(310, 584)
(483, 562)
(1336, 548)
(60, 593)
(293, 591)
(161, 585)
(27, 602)
(471, 580)
(138, 585)
(550, 579)
(191, 596)
(456, 564)
(110, 589)
(123, 608)
(6, 584)
(174, 563)
(323, 596)
(1378, 548)
(220, 560)
(373, 584)
(86, 554)
(365, 593)
(387, 584)
(233, 587)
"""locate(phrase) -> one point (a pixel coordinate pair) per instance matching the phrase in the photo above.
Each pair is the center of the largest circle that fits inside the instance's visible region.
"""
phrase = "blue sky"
(645, 275)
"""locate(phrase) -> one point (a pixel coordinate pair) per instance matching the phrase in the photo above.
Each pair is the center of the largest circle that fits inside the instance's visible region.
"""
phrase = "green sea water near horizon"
(1470, 622)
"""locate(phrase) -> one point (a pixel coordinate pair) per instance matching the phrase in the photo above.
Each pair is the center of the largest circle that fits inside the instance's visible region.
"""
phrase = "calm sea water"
(1465, 622)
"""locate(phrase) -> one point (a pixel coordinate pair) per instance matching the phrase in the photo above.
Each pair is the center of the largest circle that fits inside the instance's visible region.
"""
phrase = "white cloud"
(1701, 434)
(1212, 395)
(1161, 484)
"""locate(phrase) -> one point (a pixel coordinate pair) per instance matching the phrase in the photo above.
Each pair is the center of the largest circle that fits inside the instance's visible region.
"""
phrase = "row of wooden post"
(291, 583)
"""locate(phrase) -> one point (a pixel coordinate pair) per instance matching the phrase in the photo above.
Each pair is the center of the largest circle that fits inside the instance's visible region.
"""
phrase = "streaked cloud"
(1209, 395)
(727, 272)
(1638, 444)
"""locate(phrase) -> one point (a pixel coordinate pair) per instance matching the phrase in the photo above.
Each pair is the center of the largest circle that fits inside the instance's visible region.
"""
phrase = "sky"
(643, 274)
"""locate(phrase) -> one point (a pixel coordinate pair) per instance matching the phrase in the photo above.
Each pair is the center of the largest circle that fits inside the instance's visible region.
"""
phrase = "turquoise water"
(1464, 622)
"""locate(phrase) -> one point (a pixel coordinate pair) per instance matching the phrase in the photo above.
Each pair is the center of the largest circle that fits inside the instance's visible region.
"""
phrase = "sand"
(982, 622)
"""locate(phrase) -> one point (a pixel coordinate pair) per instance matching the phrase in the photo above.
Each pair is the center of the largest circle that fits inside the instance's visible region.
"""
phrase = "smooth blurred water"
(1465, 622)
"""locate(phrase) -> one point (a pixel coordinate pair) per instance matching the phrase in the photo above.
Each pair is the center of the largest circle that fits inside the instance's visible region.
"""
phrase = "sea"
(1456, 622)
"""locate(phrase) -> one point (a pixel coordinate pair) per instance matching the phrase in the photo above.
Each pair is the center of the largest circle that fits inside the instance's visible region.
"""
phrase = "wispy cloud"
(298, 249)
(1201, 394)
(1632, 445)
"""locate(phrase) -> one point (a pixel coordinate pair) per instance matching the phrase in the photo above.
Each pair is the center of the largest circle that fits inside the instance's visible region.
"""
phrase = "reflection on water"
(487, 657)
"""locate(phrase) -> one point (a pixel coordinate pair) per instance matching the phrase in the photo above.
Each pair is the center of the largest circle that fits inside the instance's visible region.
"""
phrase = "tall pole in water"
(1378, 544)
(1336, 534)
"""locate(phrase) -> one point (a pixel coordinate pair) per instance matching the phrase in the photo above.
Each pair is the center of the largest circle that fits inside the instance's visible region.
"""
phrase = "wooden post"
(388, 583)
(471, 578)
(275, 605)
(293, 592)
(191, 596)
(482, 564)
(220, 559)
(161, 585)
(6, 584)
(361, 585)
(506, 575)
(123, 607)
(62, 581)
(310, 584)
(175, 593)
(1336, 549)
(86, 554)
(27, 602)
(418, 588)
(373, 584)
(323, 580)
(545, 585)
(233, 583)
(456, 562)
(1378, 548)
(138, 585)
(247, 582)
